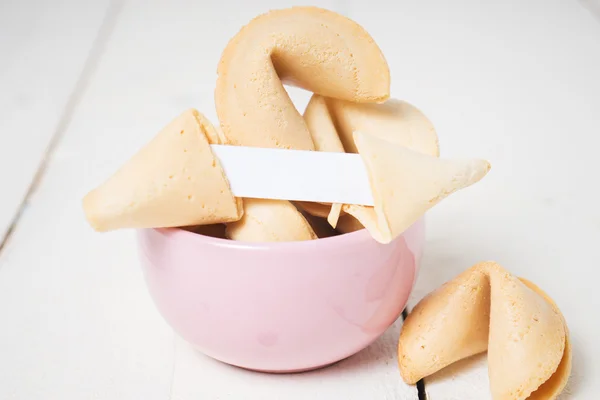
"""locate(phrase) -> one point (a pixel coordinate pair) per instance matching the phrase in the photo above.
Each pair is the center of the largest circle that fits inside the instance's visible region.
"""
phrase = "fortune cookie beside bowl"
(487, 308)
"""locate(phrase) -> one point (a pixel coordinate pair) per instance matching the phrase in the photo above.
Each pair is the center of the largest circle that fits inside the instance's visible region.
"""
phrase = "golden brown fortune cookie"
(332, 123)
(270, 221)
(174, 180)
(487, 308)
(312, 48)
(308, 47)
(405, 184)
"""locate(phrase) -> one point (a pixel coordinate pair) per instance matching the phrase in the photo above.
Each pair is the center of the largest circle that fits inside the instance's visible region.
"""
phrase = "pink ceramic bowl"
(279, 307)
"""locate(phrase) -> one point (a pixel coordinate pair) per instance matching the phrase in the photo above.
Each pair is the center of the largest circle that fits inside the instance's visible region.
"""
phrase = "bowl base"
(288, 371)
(276, 371)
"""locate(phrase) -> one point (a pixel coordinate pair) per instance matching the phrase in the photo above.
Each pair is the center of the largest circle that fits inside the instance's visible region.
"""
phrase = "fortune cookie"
(312, 48)
(270, 221)
(320, 210)
(487, 308)
(405, 184)
(308, 47)
(332, 123)
(175, 180)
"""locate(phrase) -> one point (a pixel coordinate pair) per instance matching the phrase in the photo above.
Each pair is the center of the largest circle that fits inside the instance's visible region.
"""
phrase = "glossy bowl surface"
(279, 307)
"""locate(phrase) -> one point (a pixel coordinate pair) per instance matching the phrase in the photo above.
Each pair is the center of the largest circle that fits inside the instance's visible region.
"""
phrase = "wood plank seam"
(421, 384)
(79, 89)
(421, 390)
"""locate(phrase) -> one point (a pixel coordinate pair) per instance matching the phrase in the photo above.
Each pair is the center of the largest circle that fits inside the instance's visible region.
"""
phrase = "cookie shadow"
(575, 382)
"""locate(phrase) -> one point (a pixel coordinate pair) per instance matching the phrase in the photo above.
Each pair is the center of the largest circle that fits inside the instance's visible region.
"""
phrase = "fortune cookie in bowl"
(487, 308)
(332, 123)
(405, 184)
(308, 47)
(175, 180)
(312, 48)
(270, 221)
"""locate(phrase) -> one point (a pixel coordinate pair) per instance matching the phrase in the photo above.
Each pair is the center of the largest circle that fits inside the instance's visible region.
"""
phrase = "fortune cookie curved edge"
(262, 223)
(174, 180)
(308, 47)
(487, 308)
(332, 123)
(554, 386)
(406, 184)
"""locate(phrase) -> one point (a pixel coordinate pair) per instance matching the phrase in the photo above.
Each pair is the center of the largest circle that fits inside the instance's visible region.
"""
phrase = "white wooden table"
(84, 84)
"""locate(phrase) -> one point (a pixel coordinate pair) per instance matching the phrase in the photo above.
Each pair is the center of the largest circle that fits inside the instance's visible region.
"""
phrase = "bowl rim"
(342, 241)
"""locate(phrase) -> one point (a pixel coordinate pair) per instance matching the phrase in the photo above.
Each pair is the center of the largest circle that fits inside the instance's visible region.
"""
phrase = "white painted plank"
(43, 48)
(517, 83)
(77, 306)
(370, 374)
(77, 322)
(73, 326)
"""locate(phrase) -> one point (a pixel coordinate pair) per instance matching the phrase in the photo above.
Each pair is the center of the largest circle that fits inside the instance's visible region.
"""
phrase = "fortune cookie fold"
(405, 184)
(308, 47)
(175, 180)
(321, 125)
(270, 221)
(312, 48)
(332, 123)
(487, 308)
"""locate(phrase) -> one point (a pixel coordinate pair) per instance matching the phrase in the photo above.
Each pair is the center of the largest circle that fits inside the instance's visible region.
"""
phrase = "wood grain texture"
(370, 374)
(44, 47)
(75, 317)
